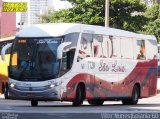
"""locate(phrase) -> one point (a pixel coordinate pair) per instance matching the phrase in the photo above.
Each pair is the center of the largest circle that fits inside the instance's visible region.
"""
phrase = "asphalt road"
(15, 109)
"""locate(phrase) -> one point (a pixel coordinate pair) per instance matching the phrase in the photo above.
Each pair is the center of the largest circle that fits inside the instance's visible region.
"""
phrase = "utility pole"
(106, 13)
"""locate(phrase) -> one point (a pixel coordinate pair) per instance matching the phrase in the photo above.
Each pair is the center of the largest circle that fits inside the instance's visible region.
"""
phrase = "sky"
(57, 4)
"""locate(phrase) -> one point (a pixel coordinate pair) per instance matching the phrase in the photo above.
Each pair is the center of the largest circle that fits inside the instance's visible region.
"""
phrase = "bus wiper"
(49, 76)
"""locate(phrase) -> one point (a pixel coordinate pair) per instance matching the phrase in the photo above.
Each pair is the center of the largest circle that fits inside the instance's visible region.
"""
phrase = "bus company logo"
(112, 67)
(14, 7)
(47, 41)
(27, 84)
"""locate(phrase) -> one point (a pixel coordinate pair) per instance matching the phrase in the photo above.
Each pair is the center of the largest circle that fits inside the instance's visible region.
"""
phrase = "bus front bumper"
(52, 94)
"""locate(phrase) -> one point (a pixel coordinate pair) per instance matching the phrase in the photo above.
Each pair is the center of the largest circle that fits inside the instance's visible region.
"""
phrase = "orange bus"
(4, 66)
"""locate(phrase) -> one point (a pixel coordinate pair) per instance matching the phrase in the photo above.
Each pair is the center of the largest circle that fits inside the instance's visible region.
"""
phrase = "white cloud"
(58, 5)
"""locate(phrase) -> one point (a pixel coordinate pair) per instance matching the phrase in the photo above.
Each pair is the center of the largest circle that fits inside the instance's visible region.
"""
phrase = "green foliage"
(46, 18)
(76, 1)
(93, 12)
(124, 14)
(153, 26)
(89, 12)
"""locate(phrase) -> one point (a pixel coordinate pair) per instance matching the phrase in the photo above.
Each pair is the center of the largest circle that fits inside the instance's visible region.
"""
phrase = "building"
(38, 7)
(35, 8)
(31, 16)
(7, 23)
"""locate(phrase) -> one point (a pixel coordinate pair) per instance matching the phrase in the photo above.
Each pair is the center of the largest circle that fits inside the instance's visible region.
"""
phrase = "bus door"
(99, 74)
(86, 63)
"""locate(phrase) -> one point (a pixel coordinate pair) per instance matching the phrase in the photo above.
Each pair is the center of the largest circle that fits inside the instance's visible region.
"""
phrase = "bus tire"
(34, 103)
(6, 93)
(79, 96)
(135, 96)
(97, 102)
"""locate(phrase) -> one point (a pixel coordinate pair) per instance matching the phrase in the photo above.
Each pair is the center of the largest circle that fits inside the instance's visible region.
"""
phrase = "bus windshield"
(35, 59)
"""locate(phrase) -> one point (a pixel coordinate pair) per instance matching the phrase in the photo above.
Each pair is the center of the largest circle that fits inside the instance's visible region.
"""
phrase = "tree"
(76, 1)
(122, 13)
(126, 14)
(153, 26)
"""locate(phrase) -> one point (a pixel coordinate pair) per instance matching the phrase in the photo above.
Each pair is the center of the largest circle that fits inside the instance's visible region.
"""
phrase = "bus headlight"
(12, 85)
(53, 85)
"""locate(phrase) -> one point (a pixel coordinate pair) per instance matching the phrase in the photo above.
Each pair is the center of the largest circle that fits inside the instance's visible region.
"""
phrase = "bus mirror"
(3, 51)
(60, 49)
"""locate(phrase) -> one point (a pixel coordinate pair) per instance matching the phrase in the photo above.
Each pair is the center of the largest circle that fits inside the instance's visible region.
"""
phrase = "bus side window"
(70, 58)
(151, 50)
(67, 61)
(69, 52)
(111, 46)
(97, 45)
(85, 46)
(141, 53)
(126, 44)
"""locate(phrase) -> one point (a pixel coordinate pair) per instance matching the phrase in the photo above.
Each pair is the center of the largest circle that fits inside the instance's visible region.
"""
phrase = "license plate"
(30, 95)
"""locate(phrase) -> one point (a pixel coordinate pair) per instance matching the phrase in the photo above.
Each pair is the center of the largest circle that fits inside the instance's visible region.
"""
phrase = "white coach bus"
(76, 62)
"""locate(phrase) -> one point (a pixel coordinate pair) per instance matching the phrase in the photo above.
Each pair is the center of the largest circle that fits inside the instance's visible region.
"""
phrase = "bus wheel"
(135, 96)
(96, 102)
(79, 96)
(34, 103)
(6, 93)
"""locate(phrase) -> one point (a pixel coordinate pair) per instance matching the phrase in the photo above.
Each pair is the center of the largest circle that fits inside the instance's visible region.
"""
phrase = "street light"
(106, 13)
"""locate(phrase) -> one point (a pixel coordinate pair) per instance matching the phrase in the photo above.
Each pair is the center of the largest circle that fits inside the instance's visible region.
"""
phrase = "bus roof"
(59, 29)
